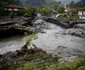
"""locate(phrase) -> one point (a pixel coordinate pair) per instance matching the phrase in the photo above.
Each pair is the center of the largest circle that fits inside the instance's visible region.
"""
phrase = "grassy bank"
(36, 59)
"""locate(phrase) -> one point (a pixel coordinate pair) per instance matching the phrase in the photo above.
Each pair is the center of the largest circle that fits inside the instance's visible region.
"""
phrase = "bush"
(44, 10)
(20, 13)
(12, 15)
(29, 12)
(2, 12)
(60, 9)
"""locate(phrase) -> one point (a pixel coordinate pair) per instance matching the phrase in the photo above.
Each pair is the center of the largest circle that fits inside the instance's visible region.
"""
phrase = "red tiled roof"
(13, 6)
(68, 9)
(82, 9)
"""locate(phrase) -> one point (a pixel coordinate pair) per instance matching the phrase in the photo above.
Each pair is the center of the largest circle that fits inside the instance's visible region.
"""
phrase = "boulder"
(75, 32)
(58, 22)
(81, 26)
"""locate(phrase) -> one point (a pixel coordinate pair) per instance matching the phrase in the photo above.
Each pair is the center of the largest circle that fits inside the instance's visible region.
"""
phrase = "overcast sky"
(67, 1)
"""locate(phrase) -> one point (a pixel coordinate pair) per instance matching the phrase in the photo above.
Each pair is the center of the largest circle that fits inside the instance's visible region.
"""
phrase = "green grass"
(43, 61)
(72, 65)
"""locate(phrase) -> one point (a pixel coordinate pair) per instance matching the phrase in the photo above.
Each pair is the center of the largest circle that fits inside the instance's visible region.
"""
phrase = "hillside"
(82, 1)
(5, 2)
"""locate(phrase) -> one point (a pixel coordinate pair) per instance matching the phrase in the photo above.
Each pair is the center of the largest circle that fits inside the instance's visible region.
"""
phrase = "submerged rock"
(75, 32)
(81, 26)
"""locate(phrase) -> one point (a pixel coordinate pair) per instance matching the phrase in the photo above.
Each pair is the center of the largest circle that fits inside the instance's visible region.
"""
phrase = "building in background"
(12, 8)
(81, 13)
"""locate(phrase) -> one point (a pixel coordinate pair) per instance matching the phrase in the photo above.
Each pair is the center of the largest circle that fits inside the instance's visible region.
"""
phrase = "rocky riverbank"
(65, 42)
(62, 43)
(37, 59)
(14, 27)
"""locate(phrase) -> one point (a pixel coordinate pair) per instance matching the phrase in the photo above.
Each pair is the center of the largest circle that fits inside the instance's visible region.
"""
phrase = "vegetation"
(31, 37)
(5, 2)
(79, 4)
(60, 9)
(12, 15)
(2, 12)
(29, 11)
(37, 59)
(43, 10)
(72, 65)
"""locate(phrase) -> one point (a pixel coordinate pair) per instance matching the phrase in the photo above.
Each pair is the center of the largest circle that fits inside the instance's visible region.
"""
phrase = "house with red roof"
(67, 10)
(81, 13)
(13, 8)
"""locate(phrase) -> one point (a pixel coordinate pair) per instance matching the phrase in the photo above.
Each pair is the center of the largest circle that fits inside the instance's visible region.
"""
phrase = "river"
(53, 40)
(11, 44)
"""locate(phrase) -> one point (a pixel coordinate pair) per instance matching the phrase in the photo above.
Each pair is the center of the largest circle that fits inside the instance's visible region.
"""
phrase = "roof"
(82, 9)
(13, 6)
(68, 9)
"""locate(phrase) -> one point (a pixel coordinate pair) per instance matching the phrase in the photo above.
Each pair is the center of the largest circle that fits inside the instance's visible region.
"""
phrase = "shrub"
(12, 15)
(60, 9)
(29, 11)
(20, 13)
(44, 10)
(2, 12)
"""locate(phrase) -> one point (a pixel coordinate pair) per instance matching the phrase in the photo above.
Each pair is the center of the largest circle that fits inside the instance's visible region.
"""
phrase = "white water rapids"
(52, 41)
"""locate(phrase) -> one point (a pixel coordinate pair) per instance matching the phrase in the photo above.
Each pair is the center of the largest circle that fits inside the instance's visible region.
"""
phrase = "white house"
(13, 8)
(81, 13)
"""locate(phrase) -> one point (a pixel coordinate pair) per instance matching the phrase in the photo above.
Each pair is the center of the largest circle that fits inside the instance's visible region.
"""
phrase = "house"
(81, 13)
(13, 8)
(67, 10)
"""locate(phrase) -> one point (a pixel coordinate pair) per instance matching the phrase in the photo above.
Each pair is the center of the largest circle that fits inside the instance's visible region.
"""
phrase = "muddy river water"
(53, 40)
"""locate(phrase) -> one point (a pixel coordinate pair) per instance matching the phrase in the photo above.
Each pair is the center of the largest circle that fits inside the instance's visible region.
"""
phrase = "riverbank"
(56, 40)
(63, 45)
(37, 59)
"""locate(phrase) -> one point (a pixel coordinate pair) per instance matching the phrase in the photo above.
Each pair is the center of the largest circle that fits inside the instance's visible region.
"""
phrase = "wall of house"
(10, 9)
(81, 14)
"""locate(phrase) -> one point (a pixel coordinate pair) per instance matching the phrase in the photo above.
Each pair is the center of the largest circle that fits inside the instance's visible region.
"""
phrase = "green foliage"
(29, 11)
(37, 62)
(60, 9)
(72, 15)
(20, 13)
(54, 5)
(79, 4)
(2, 12)
(12, 15)
(72, 65)
(43, 10)
(31, 37)
(40, 60)
(6, 2)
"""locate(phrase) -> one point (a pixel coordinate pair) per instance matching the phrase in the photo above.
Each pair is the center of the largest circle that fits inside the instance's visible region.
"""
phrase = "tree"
(60, 9)
(43, 10)
(29, 11)
(54, 5)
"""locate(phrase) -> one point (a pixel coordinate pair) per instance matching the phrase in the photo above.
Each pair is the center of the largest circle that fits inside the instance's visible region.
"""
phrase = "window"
(15, 9)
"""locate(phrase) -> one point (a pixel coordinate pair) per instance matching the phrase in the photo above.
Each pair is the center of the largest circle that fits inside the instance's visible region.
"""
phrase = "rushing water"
(11, 44)
(56, 43)
(52, 40)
